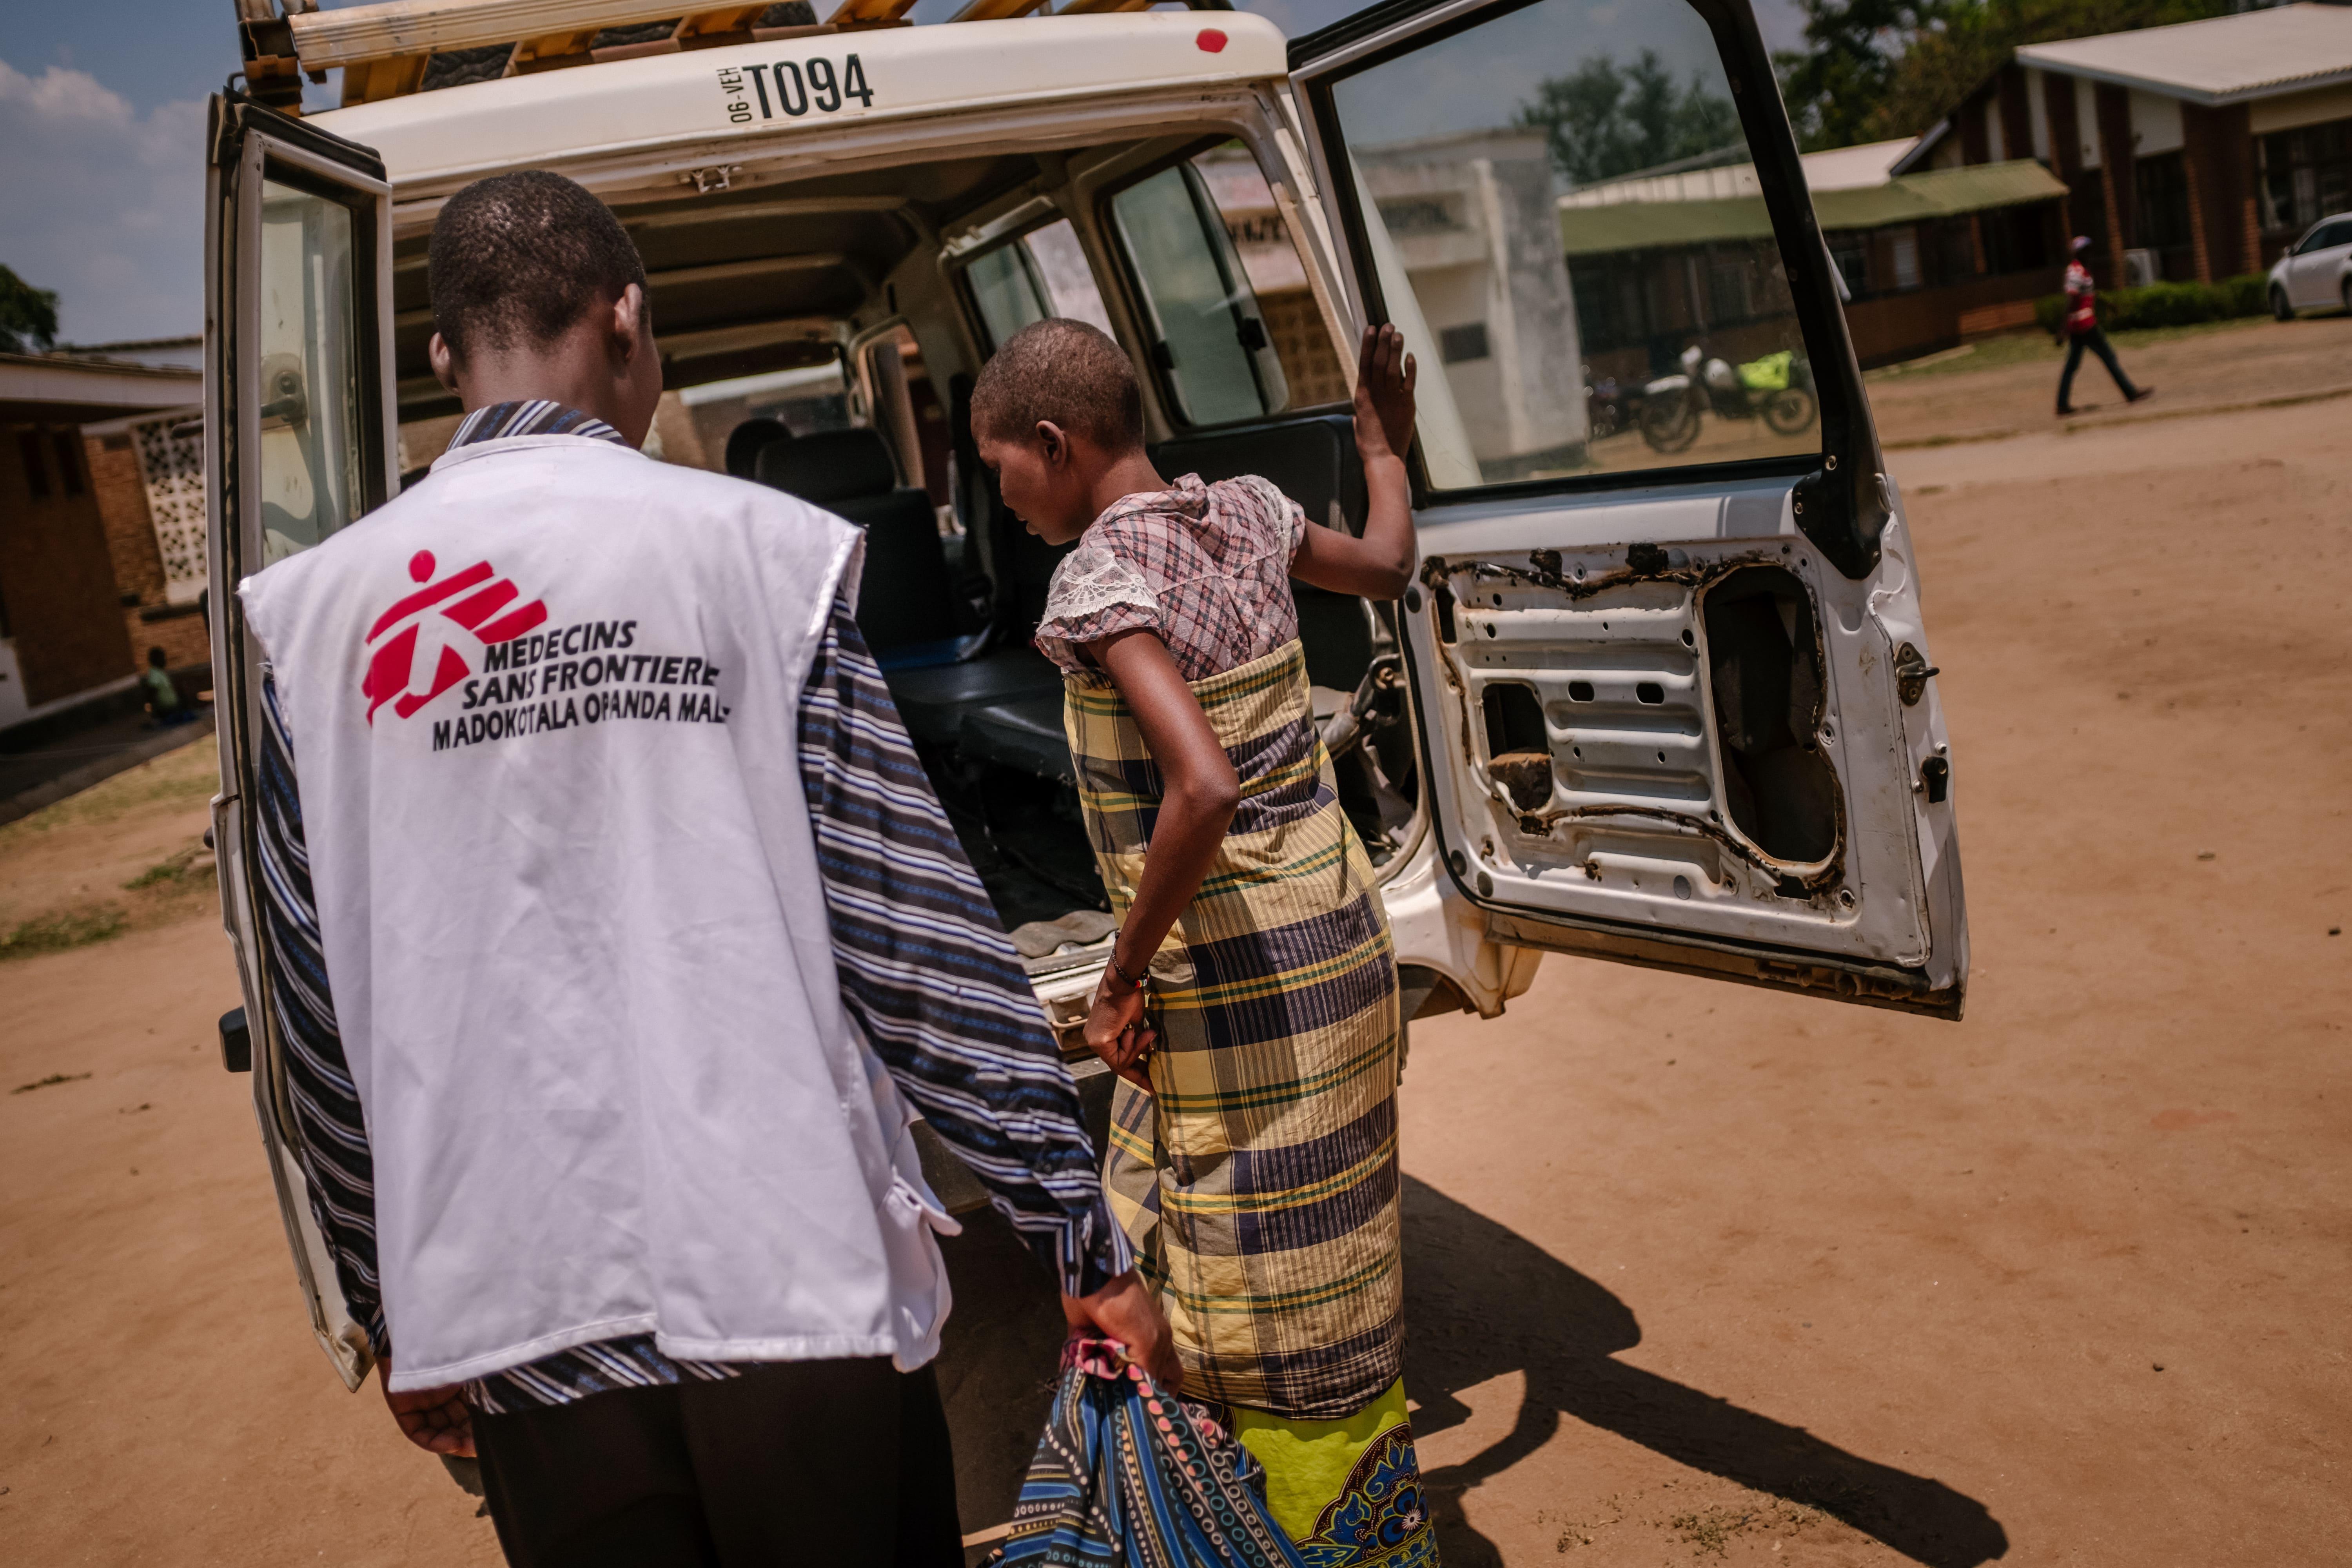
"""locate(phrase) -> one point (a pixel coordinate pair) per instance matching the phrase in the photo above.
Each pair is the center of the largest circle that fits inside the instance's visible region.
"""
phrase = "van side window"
(1216, 360)
(1007, 290)
(1277, 276)
(309, 456)
(905, 408)
(1043, 273)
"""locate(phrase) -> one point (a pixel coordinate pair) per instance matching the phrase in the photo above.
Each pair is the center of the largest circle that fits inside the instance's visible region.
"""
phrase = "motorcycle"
(1777, 388)
(1608, 407)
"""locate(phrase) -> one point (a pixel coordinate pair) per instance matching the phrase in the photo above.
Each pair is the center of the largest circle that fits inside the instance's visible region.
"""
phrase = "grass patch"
(167, 892)
(62, 930)
(188, 776)
(1709, 1531)
(1961, 440)
(54, 1077)
(2035, 348)
(184, 870)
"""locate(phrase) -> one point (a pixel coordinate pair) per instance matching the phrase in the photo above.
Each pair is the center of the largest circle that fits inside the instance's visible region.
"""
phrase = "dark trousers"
(2096, 342)
(824, 1462)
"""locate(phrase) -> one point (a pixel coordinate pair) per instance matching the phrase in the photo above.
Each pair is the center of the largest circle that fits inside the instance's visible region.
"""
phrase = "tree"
(28, 316)
(1880, 68)
(1944, 64)
(1836, 86)
(1604, 120)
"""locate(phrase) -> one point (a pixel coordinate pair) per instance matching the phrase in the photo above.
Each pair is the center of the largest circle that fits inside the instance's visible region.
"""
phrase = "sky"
(102, 112)
(1476, 80)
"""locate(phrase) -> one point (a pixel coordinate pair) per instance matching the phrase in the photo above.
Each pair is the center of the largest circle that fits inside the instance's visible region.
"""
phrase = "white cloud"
(104, 205)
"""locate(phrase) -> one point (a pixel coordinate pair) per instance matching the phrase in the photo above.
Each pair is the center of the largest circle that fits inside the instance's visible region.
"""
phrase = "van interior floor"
(1028, 844)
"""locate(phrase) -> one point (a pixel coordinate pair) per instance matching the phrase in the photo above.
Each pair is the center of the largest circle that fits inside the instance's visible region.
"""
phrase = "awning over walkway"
(66, 390)
(1601, 229)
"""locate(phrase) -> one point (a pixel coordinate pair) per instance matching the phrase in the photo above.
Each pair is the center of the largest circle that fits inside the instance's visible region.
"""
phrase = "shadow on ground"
(1481, 1301)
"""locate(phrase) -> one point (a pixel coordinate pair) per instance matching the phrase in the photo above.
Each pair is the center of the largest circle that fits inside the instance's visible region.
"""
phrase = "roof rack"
(401, 47)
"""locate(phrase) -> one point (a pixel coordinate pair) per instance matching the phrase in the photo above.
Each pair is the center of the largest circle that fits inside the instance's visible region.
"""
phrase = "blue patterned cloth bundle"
(1126, 1477)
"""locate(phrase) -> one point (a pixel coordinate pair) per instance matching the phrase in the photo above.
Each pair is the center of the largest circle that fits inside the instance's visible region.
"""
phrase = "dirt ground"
(1694, 1272)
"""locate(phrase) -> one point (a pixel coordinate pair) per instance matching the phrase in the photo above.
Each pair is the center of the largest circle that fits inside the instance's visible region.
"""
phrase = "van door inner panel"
(1649, 722)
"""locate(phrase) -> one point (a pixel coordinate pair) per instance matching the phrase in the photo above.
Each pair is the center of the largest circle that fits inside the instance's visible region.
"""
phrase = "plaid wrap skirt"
(1258, 1180)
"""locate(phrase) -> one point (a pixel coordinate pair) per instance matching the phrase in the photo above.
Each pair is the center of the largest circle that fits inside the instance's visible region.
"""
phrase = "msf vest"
(544, 713)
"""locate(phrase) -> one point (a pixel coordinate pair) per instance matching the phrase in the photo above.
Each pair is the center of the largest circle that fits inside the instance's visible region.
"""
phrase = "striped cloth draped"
(1258, 1180)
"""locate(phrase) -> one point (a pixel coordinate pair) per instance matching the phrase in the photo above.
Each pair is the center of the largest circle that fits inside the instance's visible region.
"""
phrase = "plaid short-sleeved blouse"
(1205, 566)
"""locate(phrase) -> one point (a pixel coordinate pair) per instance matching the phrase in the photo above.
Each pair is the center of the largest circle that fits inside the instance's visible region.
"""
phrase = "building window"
(1613, 295)
(1852, 253)
(2087, 204)
(2305, 174)
(1417, 214)
(2161, 183)
(70, 461)
(36, 466)
(1457, 345)
(1727, 293)
(1903, 258)
(1951, 249)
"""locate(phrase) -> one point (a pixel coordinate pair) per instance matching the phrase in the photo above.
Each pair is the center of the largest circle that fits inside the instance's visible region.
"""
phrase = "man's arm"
(928, 975)
(332, 1147)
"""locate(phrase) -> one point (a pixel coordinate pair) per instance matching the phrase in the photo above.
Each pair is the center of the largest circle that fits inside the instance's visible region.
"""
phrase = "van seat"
(905, 593)
(934, 700)
(1024, 734)
(1311, 458)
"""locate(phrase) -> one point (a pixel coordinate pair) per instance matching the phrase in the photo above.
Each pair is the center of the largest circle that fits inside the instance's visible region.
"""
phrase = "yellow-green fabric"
(1258, 1180)
(1308, 1463)
(1347, 1492)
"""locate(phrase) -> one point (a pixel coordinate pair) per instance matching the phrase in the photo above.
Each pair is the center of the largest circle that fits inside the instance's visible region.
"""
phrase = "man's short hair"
(1064, 370)
(516, 259)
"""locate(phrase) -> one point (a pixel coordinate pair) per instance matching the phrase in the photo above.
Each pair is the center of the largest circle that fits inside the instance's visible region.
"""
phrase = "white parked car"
(1672, 709)
(2317, 271)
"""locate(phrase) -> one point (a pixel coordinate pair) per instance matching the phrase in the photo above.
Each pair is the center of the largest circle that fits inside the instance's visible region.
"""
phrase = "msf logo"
(431, 639)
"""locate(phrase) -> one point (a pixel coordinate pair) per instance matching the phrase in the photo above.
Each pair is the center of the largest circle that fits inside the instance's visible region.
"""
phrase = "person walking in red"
(2081, 332)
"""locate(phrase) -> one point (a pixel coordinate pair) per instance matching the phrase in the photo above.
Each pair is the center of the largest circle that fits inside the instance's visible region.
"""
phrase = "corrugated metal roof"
(1975, 186)
(1941, 193)
(1841, 168)
(1851, 168)
(2224, 59)
(1661, 225)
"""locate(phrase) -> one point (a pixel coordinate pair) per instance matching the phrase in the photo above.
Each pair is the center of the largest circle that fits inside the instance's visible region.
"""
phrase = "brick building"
(2197, 150)
(101, 524)
(1928, 259)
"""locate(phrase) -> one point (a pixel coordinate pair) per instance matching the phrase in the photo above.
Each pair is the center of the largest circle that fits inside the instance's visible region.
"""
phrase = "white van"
(1673, 710)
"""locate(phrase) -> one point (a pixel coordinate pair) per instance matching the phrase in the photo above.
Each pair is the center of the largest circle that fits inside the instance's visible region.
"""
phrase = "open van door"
(1673, 691)
(301, 425)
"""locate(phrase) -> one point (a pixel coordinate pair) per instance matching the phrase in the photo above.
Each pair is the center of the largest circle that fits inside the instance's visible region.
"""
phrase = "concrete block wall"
(153, 622)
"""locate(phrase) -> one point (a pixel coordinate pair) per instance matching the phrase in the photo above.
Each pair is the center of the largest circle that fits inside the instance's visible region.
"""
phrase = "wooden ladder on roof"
(400, 46)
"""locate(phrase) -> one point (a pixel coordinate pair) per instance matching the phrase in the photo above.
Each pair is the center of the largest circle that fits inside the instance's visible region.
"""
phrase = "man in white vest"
(616, 938)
